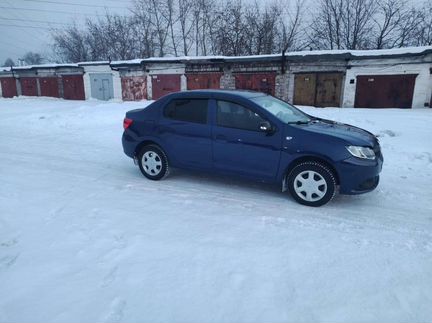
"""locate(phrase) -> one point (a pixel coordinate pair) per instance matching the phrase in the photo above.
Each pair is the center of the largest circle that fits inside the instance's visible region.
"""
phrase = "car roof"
(217, 93)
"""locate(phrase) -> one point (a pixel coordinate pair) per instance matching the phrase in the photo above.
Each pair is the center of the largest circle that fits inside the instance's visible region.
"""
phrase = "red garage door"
(49, 86)
(385, 91)
(163, 84)
(9, 89)
(73, 87)
(203, 81)
(261, 82)
(134, 88)
(29, 86)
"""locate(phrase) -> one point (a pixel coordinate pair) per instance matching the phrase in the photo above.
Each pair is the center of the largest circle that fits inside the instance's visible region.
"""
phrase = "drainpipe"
(13, 74)
(283, 61)
(112, 68)
(17, 82)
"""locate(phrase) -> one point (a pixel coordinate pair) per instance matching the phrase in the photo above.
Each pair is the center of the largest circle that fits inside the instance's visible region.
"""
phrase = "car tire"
(312, 183)
(153, 162)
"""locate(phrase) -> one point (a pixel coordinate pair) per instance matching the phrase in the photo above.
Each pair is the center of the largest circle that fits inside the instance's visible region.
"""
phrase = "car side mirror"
(266, 127)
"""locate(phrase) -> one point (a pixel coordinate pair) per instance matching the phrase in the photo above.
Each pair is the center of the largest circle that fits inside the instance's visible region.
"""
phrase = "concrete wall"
(93, 69)
(227, 81)
(423, 84)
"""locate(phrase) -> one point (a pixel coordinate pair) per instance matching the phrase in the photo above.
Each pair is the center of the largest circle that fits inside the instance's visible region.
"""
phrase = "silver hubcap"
(310, 186)
(152, 163)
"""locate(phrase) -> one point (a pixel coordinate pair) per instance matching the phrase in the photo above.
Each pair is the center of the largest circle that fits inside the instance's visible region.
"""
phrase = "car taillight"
(126, 123)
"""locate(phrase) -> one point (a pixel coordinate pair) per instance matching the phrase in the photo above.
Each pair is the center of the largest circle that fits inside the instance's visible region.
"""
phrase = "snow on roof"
(93, 63)
(353, 53)
(135, 61)
(369, 52)
(339, 52)
(28, 67)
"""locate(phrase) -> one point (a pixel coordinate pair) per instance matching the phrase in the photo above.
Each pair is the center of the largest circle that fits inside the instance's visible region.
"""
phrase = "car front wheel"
(153, 162)
(312, 183)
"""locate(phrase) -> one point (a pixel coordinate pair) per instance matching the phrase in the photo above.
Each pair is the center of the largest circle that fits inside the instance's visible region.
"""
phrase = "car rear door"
(186, 133)
(239, 146)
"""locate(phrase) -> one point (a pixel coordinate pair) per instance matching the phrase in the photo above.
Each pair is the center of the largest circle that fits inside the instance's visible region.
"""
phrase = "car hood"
(351, 134)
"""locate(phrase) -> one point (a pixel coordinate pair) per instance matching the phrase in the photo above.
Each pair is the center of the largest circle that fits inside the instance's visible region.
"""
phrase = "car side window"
(189, 110)
(232, 115)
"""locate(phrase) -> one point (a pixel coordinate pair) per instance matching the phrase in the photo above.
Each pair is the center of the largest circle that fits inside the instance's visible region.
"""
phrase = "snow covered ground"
(84, 237)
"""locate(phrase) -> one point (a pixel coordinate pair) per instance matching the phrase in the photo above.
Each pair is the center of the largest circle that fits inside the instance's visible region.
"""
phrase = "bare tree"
(292, 33)
(70, 44)
(233, 27)
(387, 21)
(156, 13)
(343, 24)
(358, 23)
(120, 37)
(9, 62)
(423, 32)
(145, 33)
(407, 28)
(186, 23)
(172, 18)
(327, 25)
(230, 37)
(261, 28)
(204, 19)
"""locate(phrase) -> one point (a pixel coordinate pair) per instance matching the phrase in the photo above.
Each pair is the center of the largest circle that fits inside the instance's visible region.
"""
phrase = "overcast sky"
(25, 24)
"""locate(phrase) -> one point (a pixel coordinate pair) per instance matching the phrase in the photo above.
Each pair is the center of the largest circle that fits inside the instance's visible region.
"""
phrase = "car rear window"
(189, 110)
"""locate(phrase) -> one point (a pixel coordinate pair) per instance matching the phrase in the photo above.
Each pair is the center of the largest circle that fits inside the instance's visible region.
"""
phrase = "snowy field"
(84, 237)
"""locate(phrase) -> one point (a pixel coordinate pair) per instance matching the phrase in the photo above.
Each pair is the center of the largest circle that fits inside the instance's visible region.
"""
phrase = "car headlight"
(361, 152)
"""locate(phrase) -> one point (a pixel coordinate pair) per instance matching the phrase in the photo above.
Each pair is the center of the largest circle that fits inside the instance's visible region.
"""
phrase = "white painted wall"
(94, 69)
(423, 84)
(149, 87)
(165, 68)
(183, 83)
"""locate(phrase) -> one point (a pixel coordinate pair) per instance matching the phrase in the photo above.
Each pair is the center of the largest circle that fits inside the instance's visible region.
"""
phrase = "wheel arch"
(147, 142)
(309, 158)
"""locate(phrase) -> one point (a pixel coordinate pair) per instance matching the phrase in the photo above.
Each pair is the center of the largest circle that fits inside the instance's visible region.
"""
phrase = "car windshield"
(283, 111)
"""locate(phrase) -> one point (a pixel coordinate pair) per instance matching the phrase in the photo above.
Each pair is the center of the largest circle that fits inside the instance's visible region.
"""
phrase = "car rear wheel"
(312, 183)
(153, 163)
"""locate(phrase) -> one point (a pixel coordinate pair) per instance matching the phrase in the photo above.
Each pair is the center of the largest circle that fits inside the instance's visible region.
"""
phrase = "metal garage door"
(385, 91)
(318, 89)
(328, 91)
(102, 86)
(203, 81)
(134, 88)
(29, 86)
(73, 87)
(163, 84)
(261, 82)
(304, 89)
(9, 89)
(49, 86)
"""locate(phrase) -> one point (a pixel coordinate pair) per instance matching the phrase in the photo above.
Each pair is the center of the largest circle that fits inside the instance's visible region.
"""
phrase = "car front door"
(186, 133)
(239, 146)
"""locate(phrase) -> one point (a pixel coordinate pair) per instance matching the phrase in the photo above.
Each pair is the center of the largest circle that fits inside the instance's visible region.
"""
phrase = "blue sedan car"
(253, 135)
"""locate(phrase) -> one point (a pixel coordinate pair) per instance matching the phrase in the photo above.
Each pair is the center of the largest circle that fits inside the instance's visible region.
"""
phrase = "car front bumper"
(359, 176)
